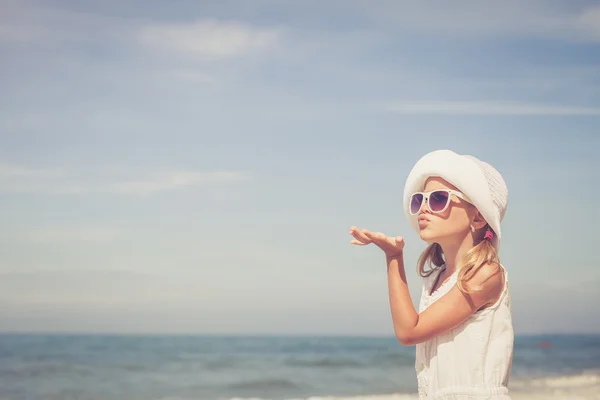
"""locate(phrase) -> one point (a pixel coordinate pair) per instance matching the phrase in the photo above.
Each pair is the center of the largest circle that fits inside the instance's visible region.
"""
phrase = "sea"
(196, 367)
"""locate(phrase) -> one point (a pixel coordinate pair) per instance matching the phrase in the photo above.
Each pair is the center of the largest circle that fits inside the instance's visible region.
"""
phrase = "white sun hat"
(482, 184)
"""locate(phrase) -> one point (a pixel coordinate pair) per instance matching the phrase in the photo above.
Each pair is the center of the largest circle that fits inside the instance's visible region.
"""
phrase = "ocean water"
(107, 367)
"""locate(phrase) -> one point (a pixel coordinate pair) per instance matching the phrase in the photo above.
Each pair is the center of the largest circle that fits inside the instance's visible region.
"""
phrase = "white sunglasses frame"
(426, 195)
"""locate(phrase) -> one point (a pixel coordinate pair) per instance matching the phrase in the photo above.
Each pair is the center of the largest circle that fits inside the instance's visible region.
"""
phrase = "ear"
(478, 221)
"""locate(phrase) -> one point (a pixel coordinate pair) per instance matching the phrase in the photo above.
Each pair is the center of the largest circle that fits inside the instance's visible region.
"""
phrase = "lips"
(423, 218)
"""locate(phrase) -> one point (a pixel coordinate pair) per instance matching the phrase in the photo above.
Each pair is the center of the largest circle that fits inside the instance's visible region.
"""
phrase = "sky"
(195, 167)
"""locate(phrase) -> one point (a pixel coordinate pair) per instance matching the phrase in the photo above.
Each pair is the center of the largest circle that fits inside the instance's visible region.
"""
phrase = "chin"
(428, 236)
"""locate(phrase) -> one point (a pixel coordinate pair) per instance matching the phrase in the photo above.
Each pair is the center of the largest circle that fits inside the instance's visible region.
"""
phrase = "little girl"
(463, 330)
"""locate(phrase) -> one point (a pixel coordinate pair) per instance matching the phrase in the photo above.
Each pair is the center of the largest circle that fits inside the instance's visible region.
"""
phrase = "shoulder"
(488, 274)
(484, 283)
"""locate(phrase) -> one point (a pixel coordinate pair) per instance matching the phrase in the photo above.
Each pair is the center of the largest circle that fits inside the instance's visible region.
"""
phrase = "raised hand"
(392, 247)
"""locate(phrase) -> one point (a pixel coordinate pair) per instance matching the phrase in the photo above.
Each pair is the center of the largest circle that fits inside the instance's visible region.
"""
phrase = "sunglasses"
(437, 200)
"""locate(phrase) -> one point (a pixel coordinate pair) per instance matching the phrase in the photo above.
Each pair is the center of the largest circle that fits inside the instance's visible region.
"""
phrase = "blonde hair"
(481, 254)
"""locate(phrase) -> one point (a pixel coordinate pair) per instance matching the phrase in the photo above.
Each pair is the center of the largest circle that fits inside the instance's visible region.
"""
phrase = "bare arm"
(404, 314)
(449, 311)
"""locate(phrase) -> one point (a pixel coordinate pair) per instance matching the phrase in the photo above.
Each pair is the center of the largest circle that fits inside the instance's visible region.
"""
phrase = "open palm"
(392, 246)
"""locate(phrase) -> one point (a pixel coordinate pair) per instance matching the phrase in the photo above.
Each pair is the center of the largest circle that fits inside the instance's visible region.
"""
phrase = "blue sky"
(195, 167)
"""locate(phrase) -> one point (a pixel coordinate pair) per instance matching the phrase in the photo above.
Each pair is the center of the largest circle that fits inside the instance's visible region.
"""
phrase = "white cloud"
(23, 21)
(487, 108)
(491, 18)
(589, 22)
(170, 181)
(205, 38)
(16, 179)
(573, 171)
(8, 170)
(209, 39)
(71, 234)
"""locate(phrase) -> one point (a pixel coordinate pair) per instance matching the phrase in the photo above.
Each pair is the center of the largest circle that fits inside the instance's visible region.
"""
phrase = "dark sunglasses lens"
(415, 203)
(438, 200)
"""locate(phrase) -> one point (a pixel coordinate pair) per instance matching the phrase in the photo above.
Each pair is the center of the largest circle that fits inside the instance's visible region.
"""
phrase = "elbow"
(405, 339)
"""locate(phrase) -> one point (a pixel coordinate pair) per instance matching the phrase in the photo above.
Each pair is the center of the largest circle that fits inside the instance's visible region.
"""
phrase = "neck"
(454, 252)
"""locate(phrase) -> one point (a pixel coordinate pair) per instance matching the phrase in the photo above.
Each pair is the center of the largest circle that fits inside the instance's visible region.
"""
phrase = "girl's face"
(454, 223)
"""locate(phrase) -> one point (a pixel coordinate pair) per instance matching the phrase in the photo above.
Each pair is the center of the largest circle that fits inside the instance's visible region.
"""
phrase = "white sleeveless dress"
(471, 361)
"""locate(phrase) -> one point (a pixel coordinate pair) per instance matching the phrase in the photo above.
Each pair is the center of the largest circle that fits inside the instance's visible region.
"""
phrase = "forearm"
(404, 314)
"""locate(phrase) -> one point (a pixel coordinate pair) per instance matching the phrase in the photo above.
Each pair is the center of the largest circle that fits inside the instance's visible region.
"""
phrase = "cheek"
(458, 219)
(451, 221)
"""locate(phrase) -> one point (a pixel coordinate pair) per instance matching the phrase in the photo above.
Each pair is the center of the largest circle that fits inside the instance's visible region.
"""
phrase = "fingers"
(390, 245)
(360, 236)
(380, 238)
(364, 236)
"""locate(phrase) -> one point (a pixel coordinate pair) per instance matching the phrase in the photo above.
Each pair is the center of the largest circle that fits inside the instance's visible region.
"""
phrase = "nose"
(424, 206)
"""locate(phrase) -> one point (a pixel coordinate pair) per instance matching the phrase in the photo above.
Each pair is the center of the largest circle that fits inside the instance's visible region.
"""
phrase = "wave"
(584, 386)
(397, 396)
(43, 369)
(388, 360)
(326, 363)
(584, 379)
(265, 383)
